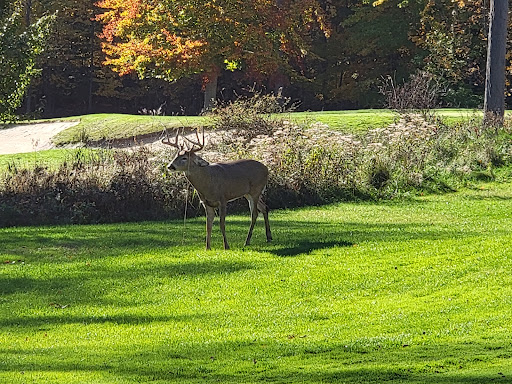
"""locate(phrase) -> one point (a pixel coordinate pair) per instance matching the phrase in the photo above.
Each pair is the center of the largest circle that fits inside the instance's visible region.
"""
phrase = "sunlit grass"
(118, 126)
(416, 291)
(48, 158)
(347, 121)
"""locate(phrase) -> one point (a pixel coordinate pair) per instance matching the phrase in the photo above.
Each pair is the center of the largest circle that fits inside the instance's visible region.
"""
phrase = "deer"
(219, 183)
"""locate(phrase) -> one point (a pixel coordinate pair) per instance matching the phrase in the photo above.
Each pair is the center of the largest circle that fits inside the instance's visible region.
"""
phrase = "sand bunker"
(30, 137)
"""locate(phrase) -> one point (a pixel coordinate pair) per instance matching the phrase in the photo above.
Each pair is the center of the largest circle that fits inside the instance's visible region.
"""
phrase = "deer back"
(230, 180)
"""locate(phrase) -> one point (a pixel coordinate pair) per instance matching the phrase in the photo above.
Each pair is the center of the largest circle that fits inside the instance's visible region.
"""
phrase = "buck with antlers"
(219, 183)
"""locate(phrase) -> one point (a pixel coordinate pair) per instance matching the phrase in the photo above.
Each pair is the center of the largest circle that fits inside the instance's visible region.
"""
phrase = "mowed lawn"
(414, 292)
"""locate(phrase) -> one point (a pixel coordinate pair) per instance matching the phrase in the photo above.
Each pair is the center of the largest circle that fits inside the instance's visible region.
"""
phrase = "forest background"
(368, 44)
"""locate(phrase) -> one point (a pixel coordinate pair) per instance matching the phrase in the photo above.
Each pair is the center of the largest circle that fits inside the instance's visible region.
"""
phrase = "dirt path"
(30, 137)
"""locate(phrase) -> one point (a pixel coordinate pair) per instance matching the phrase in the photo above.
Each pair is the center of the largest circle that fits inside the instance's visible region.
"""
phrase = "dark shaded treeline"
(367, 44)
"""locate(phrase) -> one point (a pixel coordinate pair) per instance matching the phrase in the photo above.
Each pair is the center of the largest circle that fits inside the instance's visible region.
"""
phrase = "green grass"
(118, 126)
(42, 158)
(413, 292)
(49, 158)
(347, 121)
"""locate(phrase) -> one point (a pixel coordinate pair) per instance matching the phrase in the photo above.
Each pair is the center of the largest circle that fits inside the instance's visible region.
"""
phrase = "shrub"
(104, 186)
(420, 93)
(251, 116)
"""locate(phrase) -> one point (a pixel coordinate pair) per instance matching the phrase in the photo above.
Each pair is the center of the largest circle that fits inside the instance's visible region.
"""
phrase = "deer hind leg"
(262, 207)
(222, 214)
(210, 215)
(254, 216)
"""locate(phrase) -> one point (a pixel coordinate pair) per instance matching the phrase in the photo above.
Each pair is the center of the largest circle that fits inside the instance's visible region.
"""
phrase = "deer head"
(186, 157)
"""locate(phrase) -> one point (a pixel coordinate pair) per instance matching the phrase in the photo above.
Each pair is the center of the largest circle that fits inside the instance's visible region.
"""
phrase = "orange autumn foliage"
(172, 39)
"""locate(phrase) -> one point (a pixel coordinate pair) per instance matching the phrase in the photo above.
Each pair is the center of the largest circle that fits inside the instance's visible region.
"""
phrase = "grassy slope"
(347, 121)
(115, 126)
(119, 126)
(413, 292)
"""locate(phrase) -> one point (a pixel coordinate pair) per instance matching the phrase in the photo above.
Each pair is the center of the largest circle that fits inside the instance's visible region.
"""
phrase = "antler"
(199, 143)
(175, 144)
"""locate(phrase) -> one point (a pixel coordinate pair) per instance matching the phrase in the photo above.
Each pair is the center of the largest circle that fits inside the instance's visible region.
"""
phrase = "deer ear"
(200, 162)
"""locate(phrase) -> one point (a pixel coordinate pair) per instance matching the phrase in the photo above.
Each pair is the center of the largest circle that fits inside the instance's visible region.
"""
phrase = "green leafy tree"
(454, 33)
(367, 43)
(376, 42)
(19, 47)
(72, 57)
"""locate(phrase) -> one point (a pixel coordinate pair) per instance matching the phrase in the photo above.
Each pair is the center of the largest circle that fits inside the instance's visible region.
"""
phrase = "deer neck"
(199, 177)
(198, 173)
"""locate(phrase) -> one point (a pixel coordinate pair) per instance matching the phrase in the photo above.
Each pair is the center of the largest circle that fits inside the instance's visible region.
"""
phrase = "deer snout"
(171, 167)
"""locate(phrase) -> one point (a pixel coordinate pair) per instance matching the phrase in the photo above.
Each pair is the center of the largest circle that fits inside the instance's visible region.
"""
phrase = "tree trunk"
(28, 94)
(28, 13)
(210, 91)
(494, 101)
(91, 69)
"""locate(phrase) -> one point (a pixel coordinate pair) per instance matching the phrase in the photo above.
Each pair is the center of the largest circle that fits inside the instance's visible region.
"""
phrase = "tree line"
(174, 57)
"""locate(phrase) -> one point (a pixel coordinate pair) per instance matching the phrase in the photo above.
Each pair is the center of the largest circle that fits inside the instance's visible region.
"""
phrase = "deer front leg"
(210, 215)
(222, 214)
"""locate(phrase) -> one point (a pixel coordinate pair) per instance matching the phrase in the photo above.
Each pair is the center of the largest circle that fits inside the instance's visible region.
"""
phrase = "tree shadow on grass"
(307, 247)
(291, 237)
(98, 240)
(50, 321)
(278, 361)
(101, 275)
(59, 296)
(294, 238)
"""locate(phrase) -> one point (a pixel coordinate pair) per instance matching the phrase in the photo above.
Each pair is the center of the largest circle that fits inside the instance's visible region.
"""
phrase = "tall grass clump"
(422, 151)
(419, 154)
